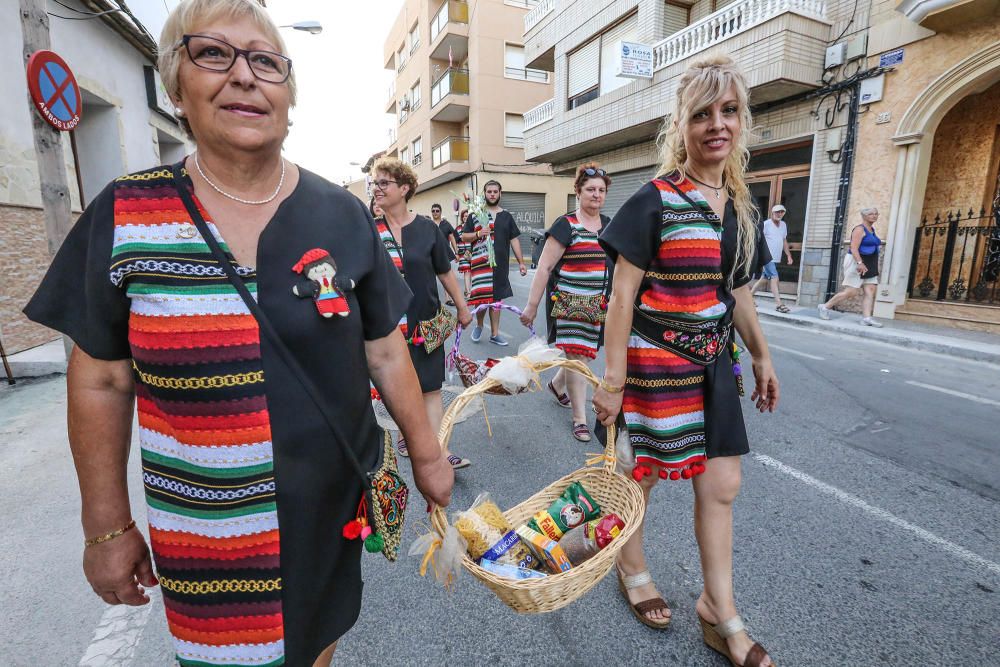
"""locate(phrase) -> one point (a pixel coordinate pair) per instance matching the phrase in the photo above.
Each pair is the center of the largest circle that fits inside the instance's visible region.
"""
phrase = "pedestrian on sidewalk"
(775, 233)
(248, 483)
(492, 240)
(573, 263)
(421, 253)
(860, 267)
(684, 248)
(464, 252)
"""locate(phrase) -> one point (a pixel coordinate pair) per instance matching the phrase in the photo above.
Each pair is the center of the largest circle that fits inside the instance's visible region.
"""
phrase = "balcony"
(541, 114)
(539, 12)
(450, 96)
(390, 106)
(946, 15)
(450, 32)
(451, 149)
(526, 74)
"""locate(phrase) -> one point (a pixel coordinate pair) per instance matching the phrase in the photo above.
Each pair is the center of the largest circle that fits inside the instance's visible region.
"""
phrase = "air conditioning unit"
(404, 103)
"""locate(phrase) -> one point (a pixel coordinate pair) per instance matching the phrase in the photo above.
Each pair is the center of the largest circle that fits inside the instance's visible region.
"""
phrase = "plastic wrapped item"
(516, 373)
(584, 541)
(510, 571)
(489, 535)
(572, 508)
(442, 555)
(545, 550)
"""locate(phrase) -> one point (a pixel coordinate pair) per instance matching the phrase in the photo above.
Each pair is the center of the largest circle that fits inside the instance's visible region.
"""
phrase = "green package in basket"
(574, 507)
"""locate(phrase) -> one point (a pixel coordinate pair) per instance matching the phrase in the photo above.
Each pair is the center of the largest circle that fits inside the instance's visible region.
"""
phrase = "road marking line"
(118, 633)
(952, 392)
(791, 351)
(880, 513)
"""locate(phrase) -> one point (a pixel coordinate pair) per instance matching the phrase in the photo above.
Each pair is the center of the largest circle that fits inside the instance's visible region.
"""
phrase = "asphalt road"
(867, 531)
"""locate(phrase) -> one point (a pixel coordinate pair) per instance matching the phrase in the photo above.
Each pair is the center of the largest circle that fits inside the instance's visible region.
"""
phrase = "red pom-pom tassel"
(352, 529)
(663, 473)
(686, 473)
(674, 475)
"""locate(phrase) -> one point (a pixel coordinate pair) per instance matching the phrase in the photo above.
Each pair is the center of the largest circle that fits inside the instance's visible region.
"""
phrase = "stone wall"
(24, 257)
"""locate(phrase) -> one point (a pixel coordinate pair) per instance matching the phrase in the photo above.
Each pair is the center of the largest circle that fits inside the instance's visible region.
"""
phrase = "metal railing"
(450, 149)
(525, 74)
(540, 114)
(451, 11)
(728, 22)
(453, 81)
(957, 258)
(514, 142)
(540, 11)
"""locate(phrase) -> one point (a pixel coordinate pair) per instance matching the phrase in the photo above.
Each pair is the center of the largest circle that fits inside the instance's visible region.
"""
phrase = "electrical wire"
(854, 13)
(86, 15)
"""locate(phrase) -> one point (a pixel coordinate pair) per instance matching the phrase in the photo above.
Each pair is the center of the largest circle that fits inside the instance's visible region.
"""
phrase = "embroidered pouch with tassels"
(436, 330)
(579, 307)
(379, 521)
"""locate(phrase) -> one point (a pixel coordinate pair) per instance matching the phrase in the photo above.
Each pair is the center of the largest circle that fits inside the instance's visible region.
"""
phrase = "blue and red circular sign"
(54, 90)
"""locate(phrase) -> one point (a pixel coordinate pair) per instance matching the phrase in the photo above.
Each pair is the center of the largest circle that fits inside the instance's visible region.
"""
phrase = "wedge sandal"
(627, 582)
(561, 399)
(716, 636)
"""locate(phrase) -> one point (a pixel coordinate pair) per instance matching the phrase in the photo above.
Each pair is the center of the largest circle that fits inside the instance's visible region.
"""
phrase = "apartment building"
(459, 93)
(805, 61)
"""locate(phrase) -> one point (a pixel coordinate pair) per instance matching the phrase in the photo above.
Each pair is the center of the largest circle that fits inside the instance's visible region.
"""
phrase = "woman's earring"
(290, 122)
(178, 112)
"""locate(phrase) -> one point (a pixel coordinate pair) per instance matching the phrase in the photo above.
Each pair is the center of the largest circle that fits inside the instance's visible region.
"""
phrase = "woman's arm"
(552, 252)
(458, 298)
(765, 392)
(617, 326)
(857, 235)
(99, 417)
(392, 372)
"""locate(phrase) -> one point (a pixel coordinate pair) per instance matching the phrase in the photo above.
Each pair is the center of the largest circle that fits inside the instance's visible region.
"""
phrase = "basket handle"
(438, 517)
(496, 305)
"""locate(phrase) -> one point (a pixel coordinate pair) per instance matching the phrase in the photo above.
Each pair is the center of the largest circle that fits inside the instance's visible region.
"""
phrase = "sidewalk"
(975, 345)
(38, 361)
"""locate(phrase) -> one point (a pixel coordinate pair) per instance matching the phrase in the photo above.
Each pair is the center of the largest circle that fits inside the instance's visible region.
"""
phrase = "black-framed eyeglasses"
(382, 183)
(217, 55)
(590, 171)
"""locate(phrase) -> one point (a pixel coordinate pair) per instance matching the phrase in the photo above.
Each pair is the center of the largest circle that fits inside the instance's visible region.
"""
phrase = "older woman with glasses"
(248, 478)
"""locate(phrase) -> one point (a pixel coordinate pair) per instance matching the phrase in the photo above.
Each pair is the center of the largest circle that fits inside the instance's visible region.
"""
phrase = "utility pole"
(56, 200)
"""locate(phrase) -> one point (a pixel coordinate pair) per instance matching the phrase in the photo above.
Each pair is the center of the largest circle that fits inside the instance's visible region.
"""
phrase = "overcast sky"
(343, 89)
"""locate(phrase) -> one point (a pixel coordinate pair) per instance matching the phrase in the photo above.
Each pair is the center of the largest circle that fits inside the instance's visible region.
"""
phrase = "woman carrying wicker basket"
(684, 249)
(573, 266)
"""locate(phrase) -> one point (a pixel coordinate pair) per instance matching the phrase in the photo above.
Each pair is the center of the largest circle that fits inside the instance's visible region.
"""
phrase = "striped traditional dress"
(482, 272)
(395, 253)
(664, 402)
(204, 432)
(582, 271)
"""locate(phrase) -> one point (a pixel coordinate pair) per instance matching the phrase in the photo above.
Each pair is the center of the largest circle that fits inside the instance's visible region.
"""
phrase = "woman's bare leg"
(632, 559)
(576, 387)
(326, 657)
(868, 301)
(842, 295)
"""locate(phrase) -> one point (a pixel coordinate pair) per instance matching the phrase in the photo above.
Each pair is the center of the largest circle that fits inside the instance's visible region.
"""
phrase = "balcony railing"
(540, 11)
(540, 114)
(957, 258)
(537, 75)
(450, 149)
(453, 80)
(727, 22)
(451, 11)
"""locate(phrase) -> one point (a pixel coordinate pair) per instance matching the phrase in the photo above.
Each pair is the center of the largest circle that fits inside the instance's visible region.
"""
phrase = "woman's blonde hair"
(704, 83)
(188, 16)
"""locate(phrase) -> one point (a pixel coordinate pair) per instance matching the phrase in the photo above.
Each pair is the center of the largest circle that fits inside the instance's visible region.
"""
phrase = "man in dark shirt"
(449, 235)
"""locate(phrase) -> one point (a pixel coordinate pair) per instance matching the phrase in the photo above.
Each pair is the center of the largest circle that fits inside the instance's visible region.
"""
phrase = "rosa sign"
(54, 90)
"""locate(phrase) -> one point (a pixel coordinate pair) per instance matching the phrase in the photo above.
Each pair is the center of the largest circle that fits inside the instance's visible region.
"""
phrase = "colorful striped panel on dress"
(686, 272)
(482, 272)
(204, 430)
(583, 271)
(395, 253)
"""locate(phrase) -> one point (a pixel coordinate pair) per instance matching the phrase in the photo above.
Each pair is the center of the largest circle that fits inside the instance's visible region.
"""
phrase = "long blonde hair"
(704, 82)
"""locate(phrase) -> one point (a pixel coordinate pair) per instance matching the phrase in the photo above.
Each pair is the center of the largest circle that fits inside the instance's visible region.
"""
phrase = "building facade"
(126, 125)
(806, 61)
(460, 89)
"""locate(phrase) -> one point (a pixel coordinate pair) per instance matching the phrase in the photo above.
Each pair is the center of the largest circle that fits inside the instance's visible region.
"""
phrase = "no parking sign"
(54, 90)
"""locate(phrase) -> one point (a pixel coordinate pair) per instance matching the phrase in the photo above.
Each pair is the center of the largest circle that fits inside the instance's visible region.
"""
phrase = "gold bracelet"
(110, 536)
(610, 388)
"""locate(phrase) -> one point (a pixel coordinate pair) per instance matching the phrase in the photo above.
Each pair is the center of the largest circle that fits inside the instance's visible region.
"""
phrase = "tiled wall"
(24, 257)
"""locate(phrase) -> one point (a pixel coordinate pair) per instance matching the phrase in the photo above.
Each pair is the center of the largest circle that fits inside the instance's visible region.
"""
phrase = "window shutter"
(675, 19)
(514, 56)
(583, 68)
(514, 125)
(627, 31)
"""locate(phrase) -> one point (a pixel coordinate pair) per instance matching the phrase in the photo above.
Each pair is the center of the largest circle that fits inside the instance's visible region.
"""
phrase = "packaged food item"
(510, 571)
(584, 541)
(490, 536)
(569, 510)
(545, 550)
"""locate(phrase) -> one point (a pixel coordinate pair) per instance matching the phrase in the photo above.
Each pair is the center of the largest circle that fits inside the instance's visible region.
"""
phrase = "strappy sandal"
(716, 636)
(782, 308)
(561, 399)
(581, 432)
(627, 582)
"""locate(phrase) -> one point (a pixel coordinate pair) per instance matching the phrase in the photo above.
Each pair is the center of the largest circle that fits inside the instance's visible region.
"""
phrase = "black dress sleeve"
(561, 231)
(77, 297)
(730, 239)
(513, 229)
(441, 254)
(634, 232)
(382, 294)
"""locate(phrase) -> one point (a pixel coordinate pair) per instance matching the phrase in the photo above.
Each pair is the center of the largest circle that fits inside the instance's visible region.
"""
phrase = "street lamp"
(312, 27)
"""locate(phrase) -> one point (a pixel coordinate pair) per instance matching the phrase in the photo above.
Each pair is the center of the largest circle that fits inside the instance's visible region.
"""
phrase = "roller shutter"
(583, 68)
(528, 209)
(623, 185)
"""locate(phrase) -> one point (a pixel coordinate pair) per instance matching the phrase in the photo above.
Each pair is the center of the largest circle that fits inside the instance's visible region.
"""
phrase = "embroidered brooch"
(321, 283)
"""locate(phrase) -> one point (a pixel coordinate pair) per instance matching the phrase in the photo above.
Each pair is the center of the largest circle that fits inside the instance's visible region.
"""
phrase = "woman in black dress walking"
(422, 254)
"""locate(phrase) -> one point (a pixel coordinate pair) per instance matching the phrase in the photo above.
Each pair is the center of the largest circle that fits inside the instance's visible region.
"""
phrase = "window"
(414, 37)
(404, 154)
(415, 96)
(401, 57)
(417, 151)
(592, 69)
(513, 130)
(676, 17)
(513, 60)
(626, 31)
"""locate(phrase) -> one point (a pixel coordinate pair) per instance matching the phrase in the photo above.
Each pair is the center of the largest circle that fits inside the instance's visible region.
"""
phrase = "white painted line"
(791, 351)
(952, 392)
(880, 513)
(118, 633)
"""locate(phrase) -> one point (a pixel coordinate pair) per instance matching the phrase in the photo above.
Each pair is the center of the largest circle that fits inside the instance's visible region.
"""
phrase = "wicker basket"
(471, 371)
(613, 491)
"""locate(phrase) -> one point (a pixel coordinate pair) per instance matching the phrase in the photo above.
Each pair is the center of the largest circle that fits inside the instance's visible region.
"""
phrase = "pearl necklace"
(251, 202)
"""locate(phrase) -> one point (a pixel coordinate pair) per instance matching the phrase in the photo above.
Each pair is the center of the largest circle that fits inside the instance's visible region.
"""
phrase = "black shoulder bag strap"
(265, 325)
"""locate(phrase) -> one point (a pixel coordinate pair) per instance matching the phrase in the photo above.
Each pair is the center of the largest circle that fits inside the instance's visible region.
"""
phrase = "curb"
(938, 344)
